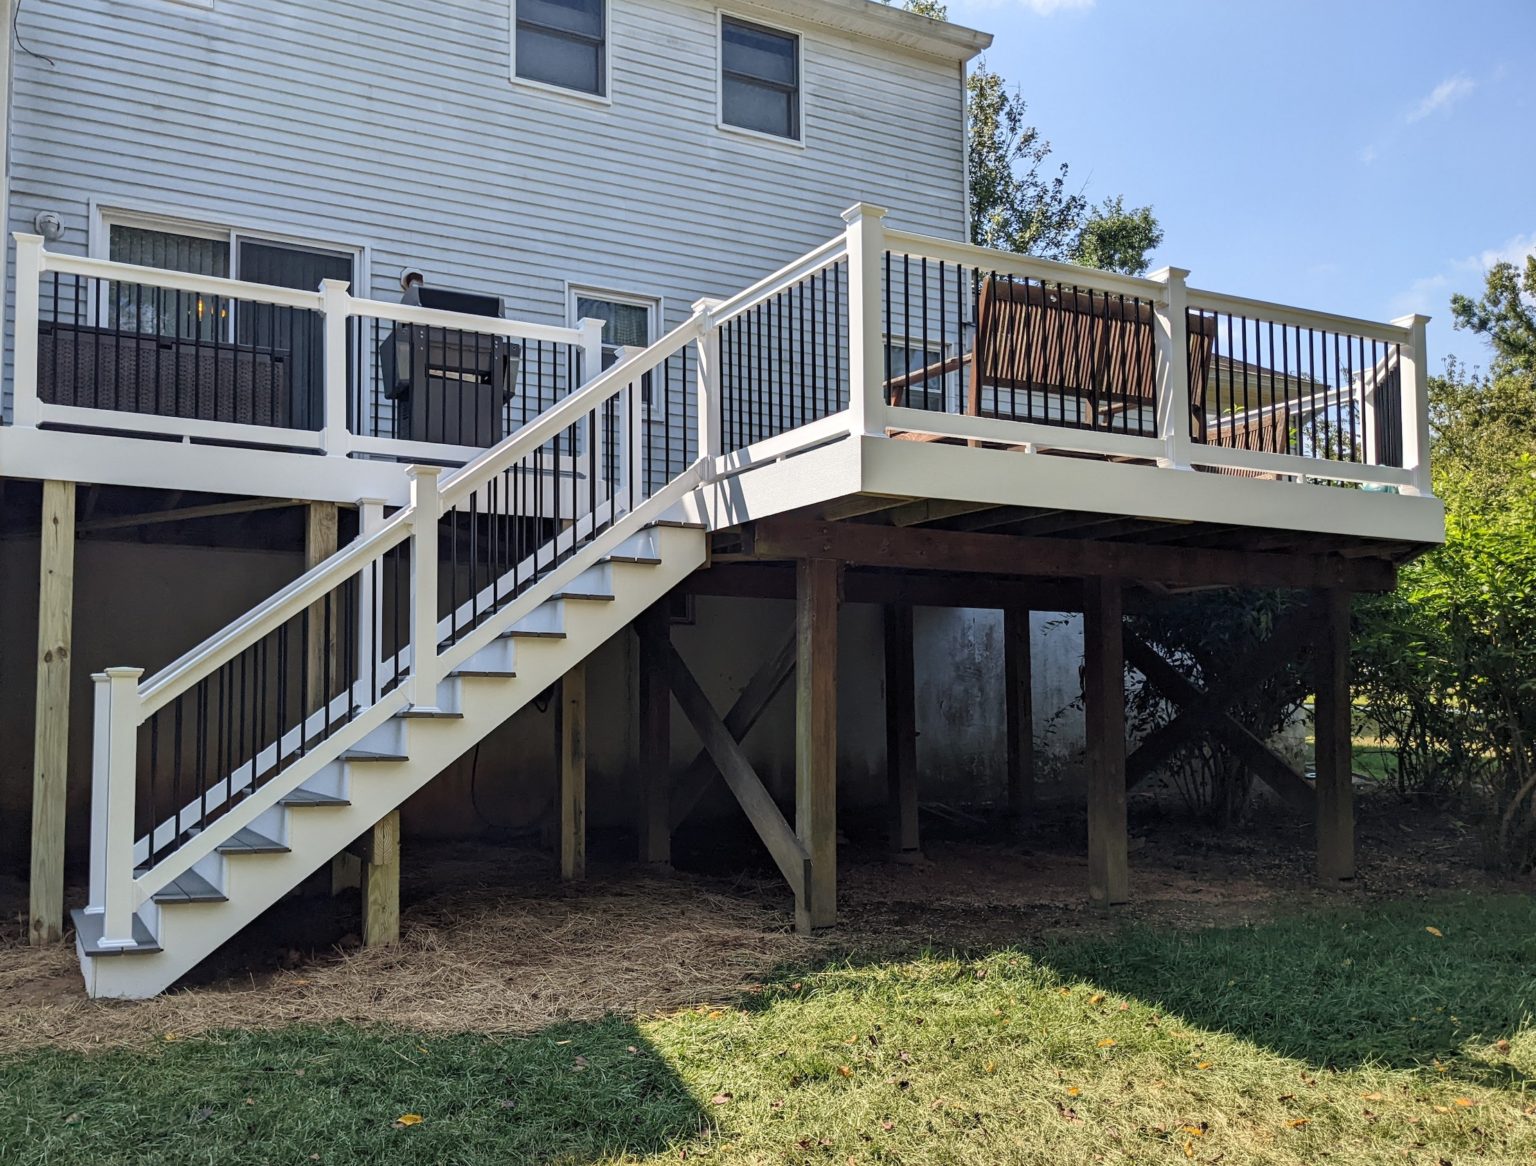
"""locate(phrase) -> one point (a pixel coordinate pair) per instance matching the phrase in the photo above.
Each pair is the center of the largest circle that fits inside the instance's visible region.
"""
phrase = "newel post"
(707, 387)
(29, 275)
(1170, 334)
(427, 507)
(1414, 365)
(336, 304)
(866, 329)
(114, 780)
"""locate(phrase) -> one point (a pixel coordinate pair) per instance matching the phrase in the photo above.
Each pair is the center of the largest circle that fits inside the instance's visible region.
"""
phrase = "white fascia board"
(1008, 478)
(882, 22)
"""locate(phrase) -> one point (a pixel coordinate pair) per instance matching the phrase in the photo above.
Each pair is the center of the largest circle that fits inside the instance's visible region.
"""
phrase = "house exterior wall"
(395, 128)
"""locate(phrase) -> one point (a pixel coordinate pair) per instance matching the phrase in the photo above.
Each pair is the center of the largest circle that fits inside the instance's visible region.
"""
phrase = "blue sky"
(1352, 156)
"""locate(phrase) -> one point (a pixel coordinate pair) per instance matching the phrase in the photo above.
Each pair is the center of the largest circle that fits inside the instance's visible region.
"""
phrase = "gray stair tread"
(642, 560)
(527, 634)
(88, 934)
(679, 524)
(309, 797)
(584, 596)
(429, 714)
(190, 887)
(370, 755)
(494, 673)
(247, 841)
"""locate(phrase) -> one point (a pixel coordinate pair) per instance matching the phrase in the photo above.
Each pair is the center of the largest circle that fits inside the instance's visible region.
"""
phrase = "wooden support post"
(901, 732)
(1018, 706)
(50, 734)
(1332, 732)
(381, 882)
(1104, 710)
(655, 742)
(573, 774)
(817, 582)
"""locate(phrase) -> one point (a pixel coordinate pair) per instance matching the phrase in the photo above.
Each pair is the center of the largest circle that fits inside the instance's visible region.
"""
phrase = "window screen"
(760, 78)
(561, 42)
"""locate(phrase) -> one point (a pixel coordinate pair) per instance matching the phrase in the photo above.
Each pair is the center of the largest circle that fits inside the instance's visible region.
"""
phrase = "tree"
(1503, 316)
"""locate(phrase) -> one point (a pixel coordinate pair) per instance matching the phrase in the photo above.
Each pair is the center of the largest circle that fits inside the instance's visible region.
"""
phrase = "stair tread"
(530, 634)
(88, 936)
(248, 841)
(679, 524)
(309, 797)
(420, 714)
(641, 560)
(584, 596)
(493, 673)
(190, 887)
(370, 755)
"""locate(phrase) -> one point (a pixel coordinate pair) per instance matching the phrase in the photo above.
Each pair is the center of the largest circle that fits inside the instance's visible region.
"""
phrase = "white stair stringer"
(569, 615)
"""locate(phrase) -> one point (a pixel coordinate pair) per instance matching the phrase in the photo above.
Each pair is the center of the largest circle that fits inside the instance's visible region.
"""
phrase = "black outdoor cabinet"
(449, 386)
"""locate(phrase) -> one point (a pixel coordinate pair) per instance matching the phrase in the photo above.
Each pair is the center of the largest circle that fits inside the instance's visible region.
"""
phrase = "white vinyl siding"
(393, 126)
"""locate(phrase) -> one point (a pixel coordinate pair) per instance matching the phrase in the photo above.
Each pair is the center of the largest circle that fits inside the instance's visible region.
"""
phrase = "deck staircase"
(174, 879)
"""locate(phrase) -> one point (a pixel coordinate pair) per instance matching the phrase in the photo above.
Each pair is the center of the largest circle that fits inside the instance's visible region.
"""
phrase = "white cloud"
(1443, 96)
(1430, 294)
(1368, 155)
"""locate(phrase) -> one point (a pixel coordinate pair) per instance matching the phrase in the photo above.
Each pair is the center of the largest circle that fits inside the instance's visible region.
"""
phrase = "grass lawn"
(1353, 1036)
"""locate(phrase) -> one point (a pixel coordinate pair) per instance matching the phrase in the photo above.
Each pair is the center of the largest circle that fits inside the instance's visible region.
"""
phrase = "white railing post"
(428, 509)
(29, 275)
(1170, 332)
(708, 402)
(1415, 408)
(370, 516)
(591, 342)
(114, 780)
(336, 302)
(866, 330)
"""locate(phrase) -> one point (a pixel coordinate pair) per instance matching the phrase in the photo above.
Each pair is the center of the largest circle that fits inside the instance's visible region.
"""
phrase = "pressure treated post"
(573, 774)
(1331, 729)
(816, 588)
(381, 882)
(655, 742)
(50, 737)
(901, 731)
(1018, 708)
(1104, 710)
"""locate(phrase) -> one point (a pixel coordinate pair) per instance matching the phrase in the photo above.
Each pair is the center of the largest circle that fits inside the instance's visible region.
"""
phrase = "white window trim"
(953, 383)
(724, 126)
(603, 98)
(655, 305)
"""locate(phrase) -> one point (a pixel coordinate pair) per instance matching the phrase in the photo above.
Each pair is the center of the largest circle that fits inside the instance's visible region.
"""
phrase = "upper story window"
(759, 78)
(561, 43)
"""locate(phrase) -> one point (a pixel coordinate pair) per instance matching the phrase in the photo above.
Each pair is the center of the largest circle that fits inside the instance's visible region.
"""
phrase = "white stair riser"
(188, 932)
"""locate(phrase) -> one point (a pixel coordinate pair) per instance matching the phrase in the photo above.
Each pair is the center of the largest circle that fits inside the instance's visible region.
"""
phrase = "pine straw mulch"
(524, 952)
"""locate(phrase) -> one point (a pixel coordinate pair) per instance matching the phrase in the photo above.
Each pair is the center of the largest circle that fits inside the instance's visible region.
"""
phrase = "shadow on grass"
(1343, 988)
(571, 1094)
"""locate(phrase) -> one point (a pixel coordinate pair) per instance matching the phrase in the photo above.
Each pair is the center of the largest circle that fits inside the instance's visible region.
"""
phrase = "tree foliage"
(1503, 315)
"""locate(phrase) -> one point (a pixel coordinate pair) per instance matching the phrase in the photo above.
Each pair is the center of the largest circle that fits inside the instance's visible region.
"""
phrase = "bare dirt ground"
(493, 942)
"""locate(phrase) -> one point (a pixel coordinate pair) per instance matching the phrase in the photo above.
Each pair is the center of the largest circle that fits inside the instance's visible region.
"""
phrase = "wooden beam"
(929, 549)
(381, 882)
(771, 580)
(655, 741)
(750, 705)
(1268, 766)
(50, 733)
(1331, 729)
(1104, 710)
(858, 505)
(901, 732)
(1019, 712)
(762, 811)
(573, 773)
(1199, 713)
(183, 513)
(817, 582)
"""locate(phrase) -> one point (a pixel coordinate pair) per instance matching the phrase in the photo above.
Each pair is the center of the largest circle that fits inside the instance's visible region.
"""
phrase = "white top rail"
(1262, 311)
(822, 257)
(208, 285)
(1011, 263)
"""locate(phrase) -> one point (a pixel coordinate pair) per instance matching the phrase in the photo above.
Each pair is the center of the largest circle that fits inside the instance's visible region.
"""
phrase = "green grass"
(1352, 1036)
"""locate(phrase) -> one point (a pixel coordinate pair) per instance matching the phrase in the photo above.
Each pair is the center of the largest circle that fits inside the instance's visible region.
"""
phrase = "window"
(759, 79)
(907, 356)
(164, 311)
(561, 43)
(628, 322)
